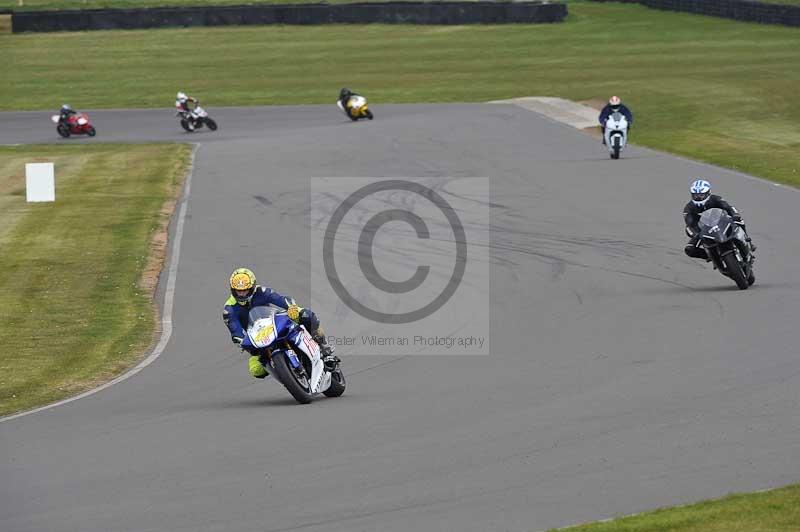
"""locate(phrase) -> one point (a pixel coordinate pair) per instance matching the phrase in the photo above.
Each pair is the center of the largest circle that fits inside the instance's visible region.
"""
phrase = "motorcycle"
(78, 124)
(616, 134)
(293, 356)
(356, 109)
(195, 119)
(725, 243)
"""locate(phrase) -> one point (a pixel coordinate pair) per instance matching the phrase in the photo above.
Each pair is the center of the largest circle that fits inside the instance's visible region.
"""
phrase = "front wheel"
(210, 123)
(296, 385)
(337, 386)
(735, 271)
(370, 115)
(91, 131)
(185, 125)
(751, 278)
(63, 130)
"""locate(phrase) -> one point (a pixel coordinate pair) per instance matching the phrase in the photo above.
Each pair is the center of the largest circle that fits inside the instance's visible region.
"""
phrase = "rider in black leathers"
(344, 96)
(702, 200)
(66, 112)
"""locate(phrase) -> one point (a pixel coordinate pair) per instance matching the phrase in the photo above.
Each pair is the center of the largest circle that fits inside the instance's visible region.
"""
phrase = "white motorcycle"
(293, 356)
(195, 119)
(616, 135)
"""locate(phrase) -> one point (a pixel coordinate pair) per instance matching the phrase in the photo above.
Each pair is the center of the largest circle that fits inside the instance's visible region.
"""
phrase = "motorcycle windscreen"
(617, 121)
(714, 223)
(258, 313)
(356, 102)
(261, 326)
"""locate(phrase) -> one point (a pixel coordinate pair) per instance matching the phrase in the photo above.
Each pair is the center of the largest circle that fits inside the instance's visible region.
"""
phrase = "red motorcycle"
(76, 125)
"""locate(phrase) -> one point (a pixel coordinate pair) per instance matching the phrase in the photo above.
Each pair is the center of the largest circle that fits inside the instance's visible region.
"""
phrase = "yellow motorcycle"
(356, 108)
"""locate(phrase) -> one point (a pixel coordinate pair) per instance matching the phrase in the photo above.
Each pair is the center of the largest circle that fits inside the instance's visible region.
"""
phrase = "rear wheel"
(297, 385)
(91, 131)
(63, 130)
(735, 271)
(210, 123)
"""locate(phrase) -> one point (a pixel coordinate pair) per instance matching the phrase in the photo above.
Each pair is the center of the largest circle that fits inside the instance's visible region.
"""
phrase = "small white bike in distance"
(616, 134)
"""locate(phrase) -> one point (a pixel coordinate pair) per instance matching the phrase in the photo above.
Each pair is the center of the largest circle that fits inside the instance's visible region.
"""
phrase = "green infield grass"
(769, 511)
(707, 88)
(77, 276)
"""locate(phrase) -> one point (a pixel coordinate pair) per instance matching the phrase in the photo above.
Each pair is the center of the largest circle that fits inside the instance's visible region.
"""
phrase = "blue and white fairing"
(269, 328)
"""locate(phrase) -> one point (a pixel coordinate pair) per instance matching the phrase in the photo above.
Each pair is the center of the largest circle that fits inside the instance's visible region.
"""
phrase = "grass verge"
(710, 89)
(77, 276)
(770, 511)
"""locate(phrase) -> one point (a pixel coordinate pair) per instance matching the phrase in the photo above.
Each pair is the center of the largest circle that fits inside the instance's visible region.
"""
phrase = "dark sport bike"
(726, 244)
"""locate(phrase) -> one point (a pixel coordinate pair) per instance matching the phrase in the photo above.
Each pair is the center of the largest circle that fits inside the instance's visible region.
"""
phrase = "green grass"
(711, 89)
(784, 2)
(75, 308)
(771, 511)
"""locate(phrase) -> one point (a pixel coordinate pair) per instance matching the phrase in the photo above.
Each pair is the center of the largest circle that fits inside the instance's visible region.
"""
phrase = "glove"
(294, 311)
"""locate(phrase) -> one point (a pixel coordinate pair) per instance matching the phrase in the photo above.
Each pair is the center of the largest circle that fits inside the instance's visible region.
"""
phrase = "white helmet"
(182, 97)
(700, 191)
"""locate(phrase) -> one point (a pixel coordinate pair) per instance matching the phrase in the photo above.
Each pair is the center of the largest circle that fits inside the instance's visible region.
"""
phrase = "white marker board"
(40, 182)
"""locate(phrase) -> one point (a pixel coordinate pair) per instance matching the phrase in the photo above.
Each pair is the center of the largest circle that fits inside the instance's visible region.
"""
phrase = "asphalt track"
(623, 376)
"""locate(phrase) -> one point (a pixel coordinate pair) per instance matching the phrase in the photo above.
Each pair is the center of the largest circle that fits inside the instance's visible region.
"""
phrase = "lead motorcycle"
(78, 124)
(616, 134)
(293, 356)
(725, 243)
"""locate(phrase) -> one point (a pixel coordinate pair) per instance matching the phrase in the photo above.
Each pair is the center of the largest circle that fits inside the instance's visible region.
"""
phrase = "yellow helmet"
(243, 285)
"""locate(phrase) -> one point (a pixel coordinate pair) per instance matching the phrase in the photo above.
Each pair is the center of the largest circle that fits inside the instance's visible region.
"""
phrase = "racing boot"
(257, 369)
(328, 358)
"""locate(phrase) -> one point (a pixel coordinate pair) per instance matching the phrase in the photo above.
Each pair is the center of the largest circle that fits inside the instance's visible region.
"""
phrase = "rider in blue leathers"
(246, 293)
(614, 105)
